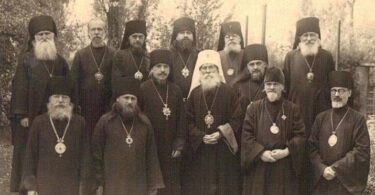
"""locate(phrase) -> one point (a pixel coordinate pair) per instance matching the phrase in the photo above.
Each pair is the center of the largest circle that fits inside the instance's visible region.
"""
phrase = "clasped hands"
(274, 155)
(211, 138)
(329, 173)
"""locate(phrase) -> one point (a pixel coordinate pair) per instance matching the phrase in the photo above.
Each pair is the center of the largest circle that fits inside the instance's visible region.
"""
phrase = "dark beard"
(137, 51)
(125, 113)
(184, 45)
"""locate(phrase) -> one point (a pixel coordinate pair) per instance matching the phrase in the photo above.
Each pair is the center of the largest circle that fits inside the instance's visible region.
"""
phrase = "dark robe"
(349, 158)
(169, 134)
(29, 100)
(279, 177)
(189, 59)
(313, 97)
(122, 169)
(44, 170)
(124, 66)
(229, 61)
(214, 169)
(94, 97)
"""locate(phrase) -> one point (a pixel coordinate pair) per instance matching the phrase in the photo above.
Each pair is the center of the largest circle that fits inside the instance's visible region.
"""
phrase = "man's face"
(44, 36)
(128, 103)
(309, 44)
(59, 100)
(160, 71)
(232, 42)
(340, 96)
(309, 38)
(44, 45)
(184, 35)
(210, 76)
(273, 90)
(97, 33)
(208, 70)
(257, 69)
(137, 40)
(59, 106)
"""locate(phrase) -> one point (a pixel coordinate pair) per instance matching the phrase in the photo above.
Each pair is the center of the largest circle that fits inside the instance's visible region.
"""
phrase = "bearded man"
(91, 72)
(214, 120)
(161, 101)
(273, 138)
(339, 144)
(231, 50)
(124, 150)
(62, 166)
(184, 53)
(35, 68)
(250, 81)
(132, 60)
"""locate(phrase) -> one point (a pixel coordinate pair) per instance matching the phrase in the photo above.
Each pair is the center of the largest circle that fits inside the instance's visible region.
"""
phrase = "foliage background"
(356, 40)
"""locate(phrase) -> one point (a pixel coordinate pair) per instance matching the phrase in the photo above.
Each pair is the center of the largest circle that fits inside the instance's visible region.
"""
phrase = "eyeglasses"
(339, 91)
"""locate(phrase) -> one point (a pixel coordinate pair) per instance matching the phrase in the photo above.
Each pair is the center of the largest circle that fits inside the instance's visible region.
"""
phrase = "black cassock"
(29, 100)
(124, 169)
(229, 62)
(44, 170)
(94, 96)
(214, 169)
(169, 134)
(279, 177)
(349, 158)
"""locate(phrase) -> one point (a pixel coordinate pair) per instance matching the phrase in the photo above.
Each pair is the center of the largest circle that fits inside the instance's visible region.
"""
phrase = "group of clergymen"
(183, 121)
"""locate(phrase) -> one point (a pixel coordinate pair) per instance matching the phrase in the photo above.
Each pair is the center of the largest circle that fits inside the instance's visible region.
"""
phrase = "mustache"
(337, 99)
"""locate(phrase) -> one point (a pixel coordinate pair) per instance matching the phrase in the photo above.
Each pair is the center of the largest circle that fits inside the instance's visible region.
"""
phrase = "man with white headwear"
(214, 120)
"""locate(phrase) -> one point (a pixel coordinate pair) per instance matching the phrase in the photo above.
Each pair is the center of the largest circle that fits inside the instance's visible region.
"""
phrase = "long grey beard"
(232, 48)
(60, 113)
(45, 50)
(210, 83)
(309, 50)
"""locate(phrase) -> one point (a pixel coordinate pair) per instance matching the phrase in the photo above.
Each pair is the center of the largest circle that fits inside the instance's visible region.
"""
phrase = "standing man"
(339, 144)
(57, 167)
(161, 101)
(273, 139)
(250, 81)
(213, 117)
(91, 73)
(132, 60)
(306, 70)
(124, 151)
(35, 68)
(184, 53)
(230, 50)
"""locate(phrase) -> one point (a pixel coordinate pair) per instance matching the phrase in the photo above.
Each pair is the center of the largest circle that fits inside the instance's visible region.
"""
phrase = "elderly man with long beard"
(273, 142)
(230, 49)
(132, 60)
(91, 72)
(123, 146)
(214, 120)
(339, 144)
(184, 53)
(35, 68)
(57, 157)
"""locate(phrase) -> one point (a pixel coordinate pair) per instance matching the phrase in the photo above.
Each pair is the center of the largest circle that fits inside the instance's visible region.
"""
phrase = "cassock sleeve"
(154, 176)
(97, 150)
(251, 149)
(352, 170)
(195, 136)
(31, 159)
(85, 160)
(180, 139)
(313, 144)
(75, 75)
(296, 144)
(20, 85)
(116, 72)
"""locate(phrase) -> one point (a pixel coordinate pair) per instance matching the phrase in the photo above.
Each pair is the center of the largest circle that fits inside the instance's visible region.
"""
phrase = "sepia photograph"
(187, 97)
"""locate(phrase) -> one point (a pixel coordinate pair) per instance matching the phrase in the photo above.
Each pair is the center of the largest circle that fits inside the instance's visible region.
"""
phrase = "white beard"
(45, 50)
(272, 96)
(309, 50)
(60, 113)
(233, 47)
(210, 83)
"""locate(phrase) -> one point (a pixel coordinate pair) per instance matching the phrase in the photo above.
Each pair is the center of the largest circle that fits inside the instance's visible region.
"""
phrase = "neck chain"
(50, 74)
(60, 147)
(166, 110)
(185, 71)
(310, 74)
(138, 75)
(274, 128)
(128, 139)
(209, 118)
(98, 75)
(332, 140)
(230, 70)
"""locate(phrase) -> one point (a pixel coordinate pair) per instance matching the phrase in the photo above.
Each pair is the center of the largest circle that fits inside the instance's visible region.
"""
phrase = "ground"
(6, 156)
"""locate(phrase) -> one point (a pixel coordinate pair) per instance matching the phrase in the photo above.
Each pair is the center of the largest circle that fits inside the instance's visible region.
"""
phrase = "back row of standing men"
(180, 121)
